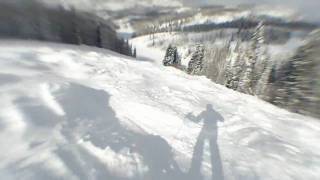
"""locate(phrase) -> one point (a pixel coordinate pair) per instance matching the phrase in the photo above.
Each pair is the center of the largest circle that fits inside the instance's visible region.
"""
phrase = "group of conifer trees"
(248, 69)
(33, 20)
(246, 66)
(296, 83)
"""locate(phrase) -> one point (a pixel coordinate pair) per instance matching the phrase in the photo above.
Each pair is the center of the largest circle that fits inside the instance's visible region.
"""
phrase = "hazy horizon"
(307, 9)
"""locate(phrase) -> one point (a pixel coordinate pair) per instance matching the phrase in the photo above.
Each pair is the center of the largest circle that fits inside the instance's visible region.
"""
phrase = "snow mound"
(73, 112)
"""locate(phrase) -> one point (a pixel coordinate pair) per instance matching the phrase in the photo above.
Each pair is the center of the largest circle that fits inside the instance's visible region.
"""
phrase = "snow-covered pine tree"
(253, 53)
(171, 57)
(296, 86)
(238, 67)
(263, 86)
(280, 94)
(272, 86)
(261, 54)
(302, 84)
(229, 66)
(235, 67)
(196, 64)
(228, 72)
(245, 84)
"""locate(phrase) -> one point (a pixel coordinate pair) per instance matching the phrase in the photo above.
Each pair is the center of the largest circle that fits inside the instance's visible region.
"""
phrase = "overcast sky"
(309, 8)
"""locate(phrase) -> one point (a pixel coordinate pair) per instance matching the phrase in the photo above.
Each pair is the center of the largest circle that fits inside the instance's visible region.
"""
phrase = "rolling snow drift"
(70, 112)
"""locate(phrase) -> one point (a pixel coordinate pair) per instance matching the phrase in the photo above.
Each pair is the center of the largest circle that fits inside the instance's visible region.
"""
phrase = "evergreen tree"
(255, 62)
(246, 82)
(262, 58)
(300, 80)
(99, 38)
(171, 57)
(235, 68)
(134, 52)
(196, 64)
(237, 72)
(229, 74)
(126, 48)
(75, 28)
(297, 84)
(263, 86)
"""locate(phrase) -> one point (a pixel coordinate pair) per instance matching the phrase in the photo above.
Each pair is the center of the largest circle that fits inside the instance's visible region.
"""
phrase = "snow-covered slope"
(71, 112)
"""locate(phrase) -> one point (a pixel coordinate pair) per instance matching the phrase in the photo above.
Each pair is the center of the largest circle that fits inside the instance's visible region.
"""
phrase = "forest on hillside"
(279, 64)
(36, 21)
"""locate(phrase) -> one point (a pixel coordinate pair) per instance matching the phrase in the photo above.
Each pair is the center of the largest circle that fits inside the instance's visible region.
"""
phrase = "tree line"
(34, 20)
(245, 65)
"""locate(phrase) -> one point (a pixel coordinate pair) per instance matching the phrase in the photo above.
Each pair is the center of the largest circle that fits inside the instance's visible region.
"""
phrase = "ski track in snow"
(73, 112)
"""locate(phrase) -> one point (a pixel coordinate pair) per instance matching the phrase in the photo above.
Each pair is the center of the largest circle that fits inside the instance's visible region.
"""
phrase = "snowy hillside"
(71, 112)
(219, 16)
(113, 5)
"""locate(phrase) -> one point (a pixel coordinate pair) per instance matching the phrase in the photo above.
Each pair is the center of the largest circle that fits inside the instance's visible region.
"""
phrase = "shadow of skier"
(209, 132)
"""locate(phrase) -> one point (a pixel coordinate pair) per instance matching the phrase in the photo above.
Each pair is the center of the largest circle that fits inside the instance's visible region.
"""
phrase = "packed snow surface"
(71, 112)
